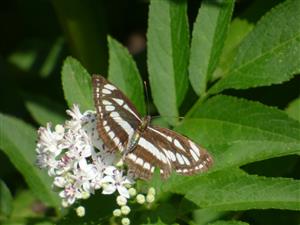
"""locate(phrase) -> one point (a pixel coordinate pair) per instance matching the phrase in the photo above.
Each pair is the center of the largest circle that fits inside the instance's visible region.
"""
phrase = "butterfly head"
(145, 122)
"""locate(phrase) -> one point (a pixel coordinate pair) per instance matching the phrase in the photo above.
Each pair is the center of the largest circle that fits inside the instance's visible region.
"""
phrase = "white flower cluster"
(75, 156)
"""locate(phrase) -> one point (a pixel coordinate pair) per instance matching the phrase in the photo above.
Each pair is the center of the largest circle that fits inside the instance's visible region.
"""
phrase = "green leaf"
(233, 189)
(5, 200)
(230, 222)
(23, 205)
(155, 223)
(206, 215)
(45, 110)
(17, 140)
(124, 73)
(167, 62)
(209, 33)
(270, 54)
(77, 84)
(237, 31)
(240, 191)
(238, 131)
(293, 109)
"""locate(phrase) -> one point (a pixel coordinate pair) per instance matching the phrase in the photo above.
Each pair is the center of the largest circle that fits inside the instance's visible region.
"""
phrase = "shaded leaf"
(38, 56)
(167, 62)
(293, 109)
(267, 55)
(45, 110)
(85, 32)
(237, 31)
(206, 215)
(5, 199)
(124, 73)
(229, 222)
(155, 223)
(17, 140)
(77, 85)
(209, 33)
(25, 206)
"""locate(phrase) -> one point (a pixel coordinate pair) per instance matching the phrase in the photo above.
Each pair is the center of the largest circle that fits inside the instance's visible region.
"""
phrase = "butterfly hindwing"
(186, 156)
(167, 150)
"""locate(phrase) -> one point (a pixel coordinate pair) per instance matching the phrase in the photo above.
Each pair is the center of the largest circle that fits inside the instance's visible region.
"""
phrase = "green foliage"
(293, 110)
(242, 132)
(123, 72)
(77, 84)
(235, 190)
(232, 222)
(187, 71)
(267, 55)
(168, 52)
(44, 110)
(5, 200)
(208, 38)
(18, 143)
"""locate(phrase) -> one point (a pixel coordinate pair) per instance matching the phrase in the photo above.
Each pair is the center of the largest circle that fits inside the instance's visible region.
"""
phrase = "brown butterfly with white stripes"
(143, 147)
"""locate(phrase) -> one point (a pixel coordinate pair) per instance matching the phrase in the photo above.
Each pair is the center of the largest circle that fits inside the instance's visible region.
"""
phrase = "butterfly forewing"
(117, 117)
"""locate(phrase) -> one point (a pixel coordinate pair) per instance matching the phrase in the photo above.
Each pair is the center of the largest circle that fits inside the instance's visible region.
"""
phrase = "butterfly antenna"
(147, 98)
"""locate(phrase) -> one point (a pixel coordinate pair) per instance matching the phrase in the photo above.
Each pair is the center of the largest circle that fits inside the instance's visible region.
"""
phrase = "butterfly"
(143, 147)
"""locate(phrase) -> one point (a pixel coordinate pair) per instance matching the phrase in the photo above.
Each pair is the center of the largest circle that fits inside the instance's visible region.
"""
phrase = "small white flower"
(125, 210)
(48, 140)
(140, 199)
(115, 181)
(59, 181)
(80, 211)
(69, 194)
(125, 221)
(76, 115)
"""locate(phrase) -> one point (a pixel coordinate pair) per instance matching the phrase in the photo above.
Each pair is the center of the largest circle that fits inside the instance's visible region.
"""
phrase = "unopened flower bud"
(117, 212)
(140, 199)
(85, 195)
(64, 203)
(125, 221)
(151, 191)
(150, 198)
(59, 129)
(80, 211)
(125, 210)
(121, 200)
(132, 192)
(120, 163)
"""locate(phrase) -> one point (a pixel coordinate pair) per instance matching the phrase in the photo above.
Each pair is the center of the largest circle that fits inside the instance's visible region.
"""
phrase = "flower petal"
(109, 189)
(123, 191)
